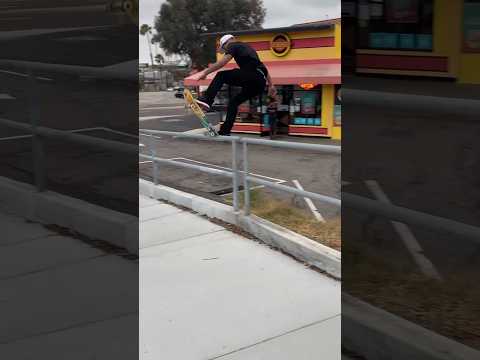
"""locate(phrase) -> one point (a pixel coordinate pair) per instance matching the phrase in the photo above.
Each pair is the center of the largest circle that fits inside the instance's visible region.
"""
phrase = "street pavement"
(207, 293)
(49, 310)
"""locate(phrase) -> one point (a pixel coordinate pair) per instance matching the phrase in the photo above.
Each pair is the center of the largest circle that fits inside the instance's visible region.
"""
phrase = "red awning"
(291, 72)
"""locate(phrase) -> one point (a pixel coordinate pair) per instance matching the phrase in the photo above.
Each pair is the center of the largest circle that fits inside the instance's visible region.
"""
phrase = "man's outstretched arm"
(218, 65)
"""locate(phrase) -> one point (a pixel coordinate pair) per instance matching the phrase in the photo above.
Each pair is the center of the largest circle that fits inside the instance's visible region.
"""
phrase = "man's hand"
(272, 91)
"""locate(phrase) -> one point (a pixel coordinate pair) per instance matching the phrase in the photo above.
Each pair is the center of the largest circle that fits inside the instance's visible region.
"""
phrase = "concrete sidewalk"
(207, 293)
(48, 309)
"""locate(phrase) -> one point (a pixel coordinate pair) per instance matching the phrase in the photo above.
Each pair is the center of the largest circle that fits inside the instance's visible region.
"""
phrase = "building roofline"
(318, 22)
(297, 27)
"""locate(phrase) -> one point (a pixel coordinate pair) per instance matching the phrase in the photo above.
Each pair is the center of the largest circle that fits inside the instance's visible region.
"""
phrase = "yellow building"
(433, 38)
(304, 62)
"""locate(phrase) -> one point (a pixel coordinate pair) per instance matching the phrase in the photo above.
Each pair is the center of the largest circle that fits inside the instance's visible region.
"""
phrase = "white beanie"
(224, 39)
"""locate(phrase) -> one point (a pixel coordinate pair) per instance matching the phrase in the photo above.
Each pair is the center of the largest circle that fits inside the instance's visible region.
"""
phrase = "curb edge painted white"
(300, 247)
(87, 219)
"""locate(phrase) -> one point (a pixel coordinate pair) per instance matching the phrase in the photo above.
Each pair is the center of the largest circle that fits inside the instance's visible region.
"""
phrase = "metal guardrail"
(38, 133)
(236, 174)
(413, 102)
(389, 211)
(356, 202)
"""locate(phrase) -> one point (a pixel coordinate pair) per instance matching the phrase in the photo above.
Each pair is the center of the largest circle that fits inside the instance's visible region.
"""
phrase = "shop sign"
(471, 27)
(280, 44)
(307, 86)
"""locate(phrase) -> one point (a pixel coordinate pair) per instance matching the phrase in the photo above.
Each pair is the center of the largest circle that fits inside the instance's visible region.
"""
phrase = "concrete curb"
(378, 335)
(300, 247)
(87, 219)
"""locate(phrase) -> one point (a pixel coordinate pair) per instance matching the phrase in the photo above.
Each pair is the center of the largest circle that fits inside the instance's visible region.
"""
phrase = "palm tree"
(146, 30)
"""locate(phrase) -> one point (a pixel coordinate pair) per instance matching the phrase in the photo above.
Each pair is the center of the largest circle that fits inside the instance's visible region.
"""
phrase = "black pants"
(252, 84)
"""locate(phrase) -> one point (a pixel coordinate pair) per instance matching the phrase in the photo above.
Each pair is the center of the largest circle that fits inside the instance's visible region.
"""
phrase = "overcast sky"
(279, 13)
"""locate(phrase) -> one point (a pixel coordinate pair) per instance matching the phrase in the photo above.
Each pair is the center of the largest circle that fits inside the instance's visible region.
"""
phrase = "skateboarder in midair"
(252, 76)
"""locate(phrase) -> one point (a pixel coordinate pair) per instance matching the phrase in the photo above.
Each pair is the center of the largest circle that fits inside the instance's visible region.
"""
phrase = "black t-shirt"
(245, 57)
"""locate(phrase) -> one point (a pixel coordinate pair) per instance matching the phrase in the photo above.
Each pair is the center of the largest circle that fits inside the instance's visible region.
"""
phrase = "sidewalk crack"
(274, 337)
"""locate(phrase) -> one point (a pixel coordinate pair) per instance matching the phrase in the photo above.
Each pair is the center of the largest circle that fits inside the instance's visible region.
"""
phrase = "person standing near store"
(272, 109)
(252, 76)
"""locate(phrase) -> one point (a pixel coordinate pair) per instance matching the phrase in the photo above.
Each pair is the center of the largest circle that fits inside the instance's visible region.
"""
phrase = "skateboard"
(192, 104)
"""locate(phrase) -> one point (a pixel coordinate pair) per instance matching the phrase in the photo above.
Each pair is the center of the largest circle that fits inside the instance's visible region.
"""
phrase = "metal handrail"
(332, 149)
(38, 133)
(412, 102)
(392, 212)
(389, 211)
(253, 179)
(235, 174)
(71, 136)
(179, 135)
(413, 217)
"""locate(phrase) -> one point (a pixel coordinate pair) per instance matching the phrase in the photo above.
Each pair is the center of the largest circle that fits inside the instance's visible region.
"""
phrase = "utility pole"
(150, 45)
(147, 31)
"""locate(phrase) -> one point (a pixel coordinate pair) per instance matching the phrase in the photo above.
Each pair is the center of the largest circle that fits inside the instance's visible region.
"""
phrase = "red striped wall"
(291, 62)
(313, 42)
(402, 62)
(292, 129)
(297, 43)
(260, 45)
(304, 62)
(307, 130)
(246, 127)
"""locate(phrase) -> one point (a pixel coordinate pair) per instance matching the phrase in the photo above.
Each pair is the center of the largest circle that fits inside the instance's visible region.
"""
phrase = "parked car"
(179, 93)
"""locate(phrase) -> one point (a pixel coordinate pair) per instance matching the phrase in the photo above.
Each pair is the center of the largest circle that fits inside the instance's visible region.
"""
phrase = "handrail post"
(38, 148)
(246, 184)
(235, 175)
(153, 154)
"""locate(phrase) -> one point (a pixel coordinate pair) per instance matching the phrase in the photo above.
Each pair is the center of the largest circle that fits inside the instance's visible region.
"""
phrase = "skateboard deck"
(192, 104)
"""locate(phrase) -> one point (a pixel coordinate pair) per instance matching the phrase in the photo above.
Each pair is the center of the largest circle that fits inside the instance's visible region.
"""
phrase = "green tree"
(146, 30)
(180, 23)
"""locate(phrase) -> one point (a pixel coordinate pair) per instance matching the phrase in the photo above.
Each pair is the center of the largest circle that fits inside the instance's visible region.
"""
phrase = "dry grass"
(450, 307)
(285, 214)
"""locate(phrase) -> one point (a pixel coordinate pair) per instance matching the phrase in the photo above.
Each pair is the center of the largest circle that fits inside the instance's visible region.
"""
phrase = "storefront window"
(296, 106)
(395, 24)
(471, 26)
(304, 106)
(337, 110)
